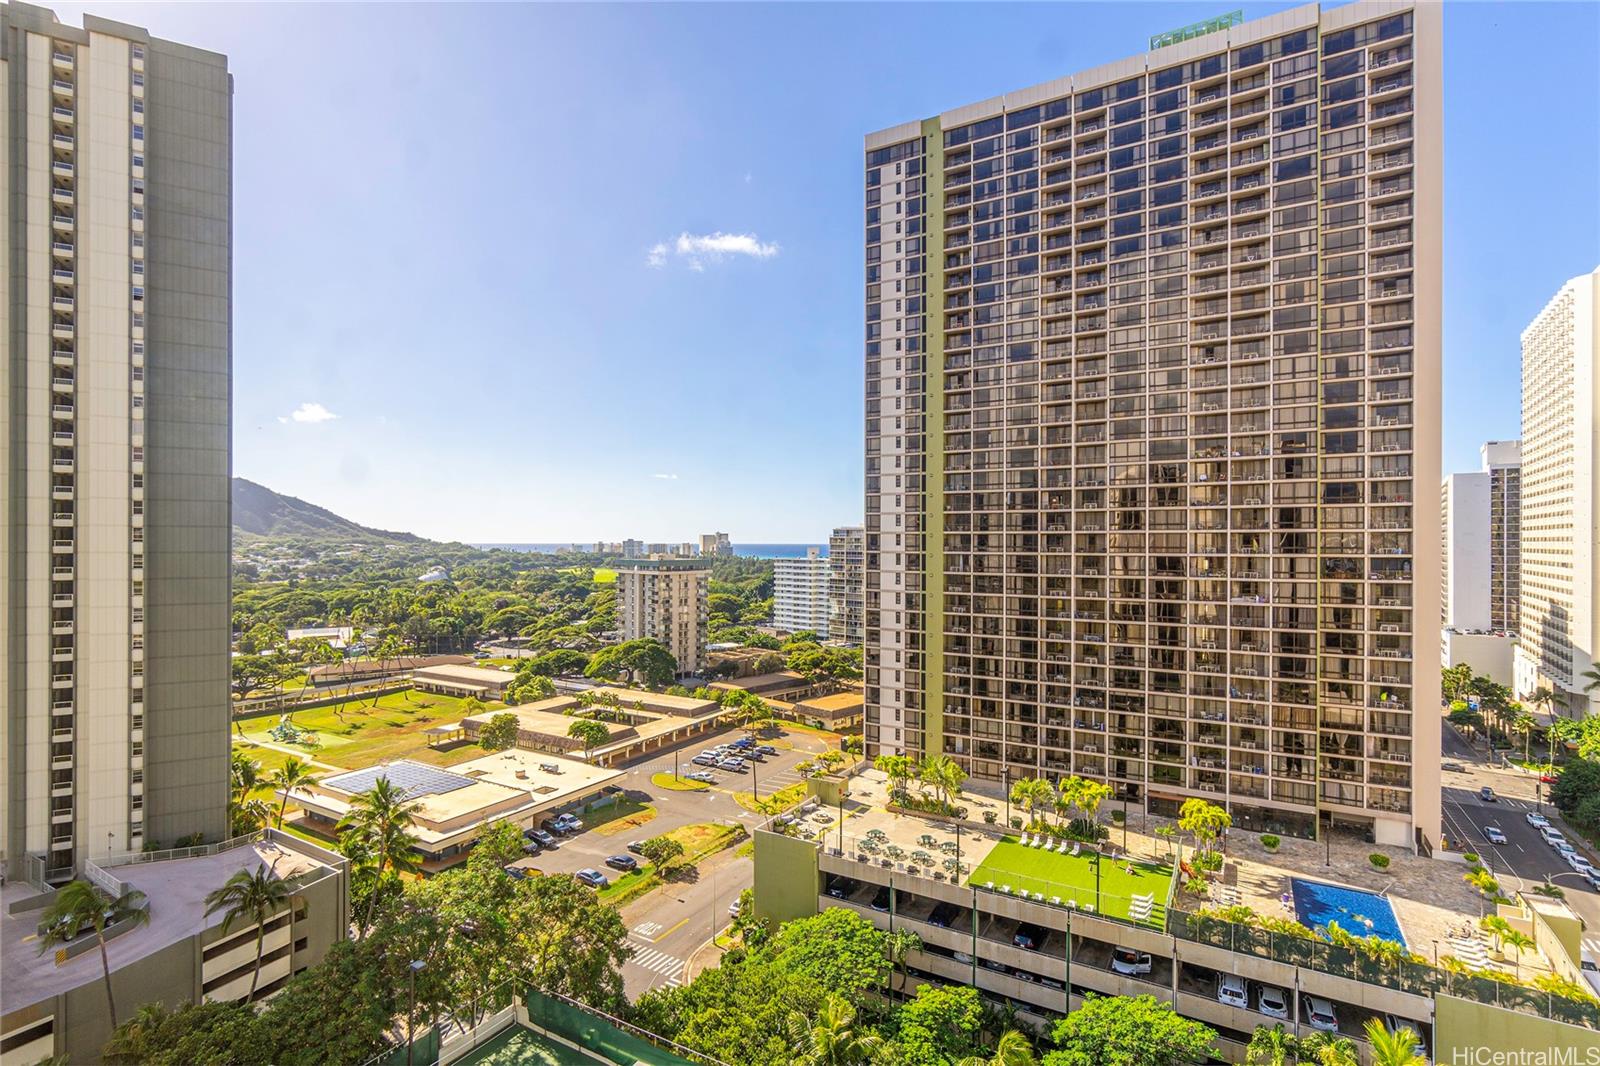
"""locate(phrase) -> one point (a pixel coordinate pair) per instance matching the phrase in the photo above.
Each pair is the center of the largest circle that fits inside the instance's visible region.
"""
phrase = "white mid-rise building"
(1480, 547)
(800, 593)
(1558, 636)
(116, 308)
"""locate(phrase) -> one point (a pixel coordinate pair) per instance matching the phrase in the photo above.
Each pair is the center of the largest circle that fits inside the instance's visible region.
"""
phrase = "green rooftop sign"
(1197, 29)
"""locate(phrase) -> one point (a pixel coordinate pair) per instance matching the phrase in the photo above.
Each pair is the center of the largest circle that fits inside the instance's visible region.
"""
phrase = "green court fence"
(612, 1038)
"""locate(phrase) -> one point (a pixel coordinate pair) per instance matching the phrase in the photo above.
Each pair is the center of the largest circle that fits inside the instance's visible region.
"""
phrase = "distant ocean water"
(760, 551)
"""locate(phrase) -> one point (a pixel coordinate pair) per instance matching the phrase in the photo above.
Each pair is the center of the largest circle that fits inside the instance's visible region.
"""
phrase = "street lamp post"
(1008, 796)
(411, 1007)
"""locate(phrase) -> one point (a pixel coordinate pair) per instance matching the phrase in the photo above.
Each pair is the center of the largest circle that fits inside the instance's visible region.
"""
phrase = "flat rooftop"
(837, 701)
(658, 702)
(176, 890)
(481, 675)
(515, 784)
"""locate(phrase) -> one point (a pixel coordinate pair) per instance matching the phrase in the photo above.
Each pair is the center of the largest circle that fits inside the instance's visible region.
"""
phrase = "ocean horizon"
(757, 551)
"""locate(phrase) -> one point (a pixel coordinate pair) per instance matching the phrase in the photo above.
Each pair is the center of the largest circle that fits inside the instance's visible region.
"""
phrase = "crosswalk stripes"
(658, 962)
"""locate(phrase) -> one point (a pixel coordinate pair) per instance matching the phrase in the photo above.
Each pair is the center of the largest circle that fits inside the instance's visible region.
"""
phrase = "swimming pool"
(1317, 903)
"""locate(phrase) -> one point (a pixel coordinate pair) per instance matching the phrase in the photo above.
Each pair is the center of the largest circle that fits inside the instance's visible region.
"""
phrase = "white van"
(1230, 991)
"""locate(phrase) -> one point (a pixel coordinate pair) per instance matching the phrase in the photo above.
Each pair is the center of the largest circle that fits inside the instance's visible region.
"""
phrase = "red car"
(1548, 779)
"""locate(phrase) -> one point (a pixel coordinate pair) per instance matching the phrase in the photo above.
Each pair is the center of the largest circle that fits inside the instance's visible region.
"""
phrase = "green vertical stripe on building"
(933, 443)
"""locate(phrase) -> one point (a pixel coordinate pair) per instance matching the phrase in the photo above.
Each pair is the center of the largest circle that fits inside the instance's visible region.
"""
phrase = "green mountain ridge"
(260, 512)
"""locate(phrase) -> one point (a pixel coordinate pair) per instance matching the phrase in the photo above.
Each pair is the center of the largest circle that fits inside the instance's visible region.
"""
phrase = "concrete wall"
(786, 881)
(1470, 1032)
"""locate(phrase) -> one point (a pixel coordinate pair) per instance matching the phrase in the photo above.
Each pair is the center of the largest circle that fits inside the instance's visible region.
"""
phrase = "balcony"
(62, 89)
(62, 115)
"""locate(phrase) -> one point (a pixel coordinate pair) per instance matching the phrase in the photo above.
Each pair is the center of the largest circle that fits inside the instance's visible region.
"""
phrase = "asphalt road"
(1524, 860)
(667, 925)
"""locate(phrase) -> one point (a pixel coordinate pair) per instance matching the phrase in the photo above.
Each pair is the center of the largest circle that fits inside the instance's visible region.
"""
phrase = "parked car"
(1453, 767)
(1549, 779)
(961, 957)
(1538, 821)
(1030, 936)
(733, 909)
(1319, 1014)
(997, 967)
(705, 776)
(568, 823)
(1231, 991)
(736, 766)
(1051, 982)
(1487, 794)
(592, 877)
(944, 915)
(1593, 877)
(1552, 835)
(1493, 835)
(753, 755)
(842, 887)
(549, 826)
(766, 749)
(1591, 970)
(625, 863)
(545, 837)
(880, 899)
(1130, 962)
(532, 847)
(1273, 1002)
(636, 846)
(1578, 863)
(703, 759)
(743, 743)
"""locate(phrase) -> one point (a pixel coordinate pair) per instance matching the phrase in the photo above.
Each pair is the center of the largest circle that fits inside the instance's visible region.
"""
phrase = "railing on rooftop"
(1421, 979)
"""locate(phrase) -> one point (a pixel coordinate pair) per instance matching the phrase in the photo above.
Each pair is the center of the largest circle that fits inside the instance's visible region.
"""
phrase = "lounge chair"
(1026, 841)
(1075, 848)
(1056, 900)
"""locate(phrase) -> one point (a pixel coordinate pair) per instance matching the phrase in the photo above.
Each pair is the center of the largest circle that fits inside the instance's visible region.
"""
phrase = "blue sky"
(457, 232)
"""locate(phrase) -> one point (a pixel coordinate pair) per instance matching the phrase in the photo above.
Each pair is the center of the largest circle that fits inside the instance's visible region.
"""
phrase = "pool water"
(1317, 903)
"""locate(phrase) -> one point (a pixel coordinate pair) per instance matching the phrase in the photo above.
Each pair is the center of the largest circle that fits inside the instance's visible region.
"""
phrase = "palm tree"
(381, 819)
(1518, 942)
(1591, 678)
(250, 897)
(899, 944)
(1270, 1047)
(79, 906)
(1068, 789)
(1031, 794)
(245, 773)
(1328, 1049)
(1398, 1048)
(832, 1038)
(290, 776)
(1012, 1050)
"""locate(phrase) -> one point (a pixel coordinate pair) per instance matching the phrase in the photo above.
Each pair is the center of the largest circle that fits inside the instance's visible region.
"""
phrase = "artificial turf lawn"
(1072, 877)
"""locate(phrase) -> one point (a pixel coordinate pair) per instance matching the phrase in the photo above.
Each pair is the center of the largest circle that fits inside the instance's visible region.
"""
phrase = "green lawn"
(604, 576)
(1073, 877)
(356, 734)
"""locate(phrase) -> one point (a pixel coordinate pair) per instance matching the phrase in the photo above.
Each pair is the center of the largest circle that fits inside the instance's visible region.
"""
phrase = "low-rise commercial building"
(778, 685)
(638, 723)
(452, 806)
(54, 1005)
(480, 682)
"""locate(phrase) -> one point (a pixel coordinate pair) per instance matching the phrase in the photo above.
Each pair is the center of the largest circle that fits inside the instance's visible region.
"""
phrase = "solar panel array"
(413, 779)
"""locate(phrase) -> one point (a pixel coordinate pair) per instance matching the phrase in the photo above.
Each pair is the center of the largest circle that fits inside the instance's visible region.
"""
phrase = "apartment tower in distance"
(1558, 637)
(665, 599)
(114, 582)
(800, 593)
(1479, 562)
(846, 583)
(1152, 382)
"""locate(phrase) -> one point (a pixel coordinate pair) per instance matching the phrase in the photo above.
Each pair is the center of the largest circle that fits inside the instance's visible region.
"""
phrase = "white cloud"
(309, 412)
(696, 250)
(665, 477)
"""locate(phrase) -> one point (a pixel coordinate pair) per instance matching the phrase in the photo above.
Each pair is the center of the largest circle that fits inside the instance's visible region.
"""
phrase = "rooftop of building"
(482, 675)
(1432, 903)
(175, 889)
(835, 701)
(547, 717)
(507, 784)
(778, 681)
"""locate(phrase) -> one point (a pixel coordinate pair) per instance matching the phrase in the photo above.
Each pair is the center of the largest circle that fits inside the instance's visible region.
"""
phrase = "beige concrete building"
(1480, 562)
(1152, 385)
(452, 806)
(55, 1004)
(115, 227)
(847, 578)
(1558, 637)
(451, 679)
(665, 599)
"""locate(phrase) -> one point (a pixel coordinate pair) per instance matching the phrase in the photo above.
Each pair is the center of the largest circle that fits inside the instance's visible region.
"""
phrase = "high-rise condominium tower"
(800, 593)
(1480, 543)
(1152, 375)
(116, 227)
(665, 599)
(846, 583)
(1558, 638)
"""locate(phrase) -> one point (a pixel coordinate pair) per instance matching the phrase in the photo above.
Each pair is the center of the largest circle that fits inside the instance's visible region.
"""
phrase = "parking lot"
(668, 924)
